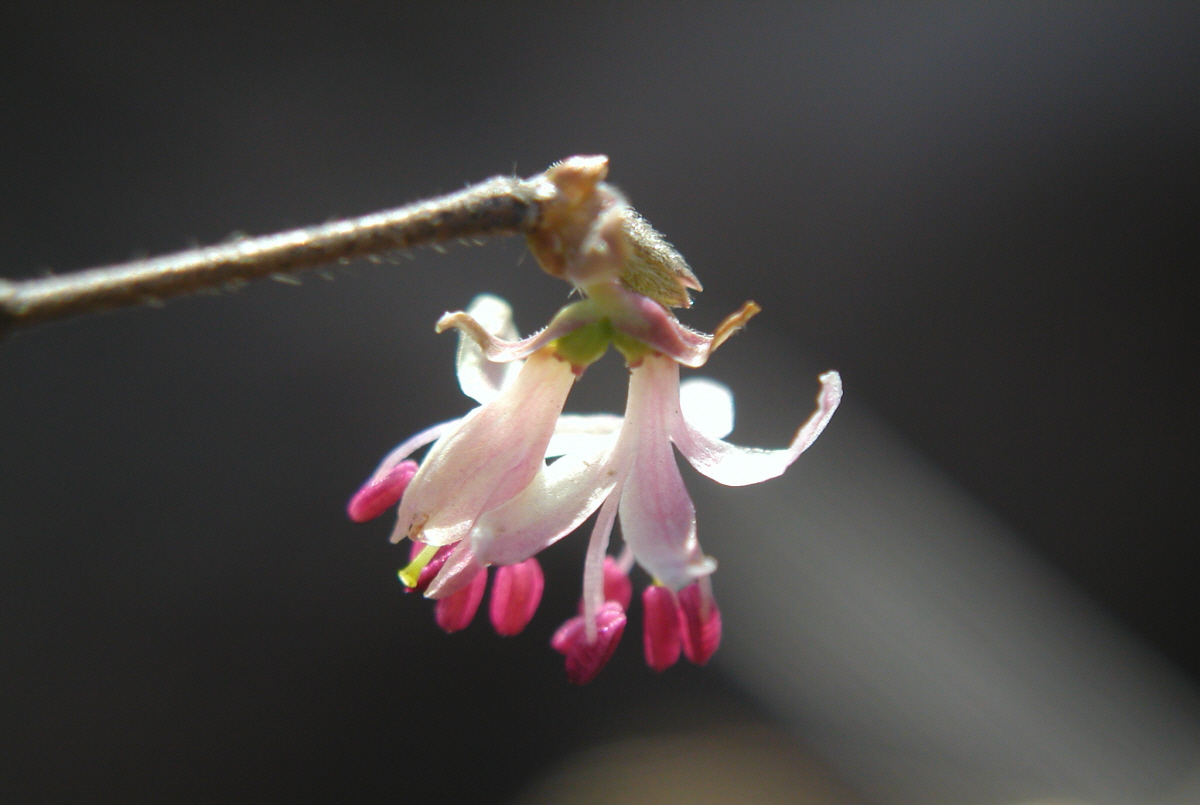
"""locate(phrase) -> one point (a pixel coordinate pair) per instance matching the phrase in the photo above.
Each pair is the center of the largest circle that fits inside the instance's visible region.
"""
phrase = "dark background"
(985, 217)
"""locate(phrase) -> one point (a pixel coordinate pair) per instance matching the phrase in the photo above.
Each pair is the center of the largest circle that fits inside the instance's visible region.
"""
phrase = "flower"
(476, 463)
(485, 496)
(633, 474)
(490, 499)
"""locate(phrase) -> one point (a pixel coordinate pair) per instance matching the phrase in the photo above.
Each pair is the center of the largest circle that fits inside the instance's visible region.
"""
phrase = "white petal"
(480, 378)
(707, 406)
(658, 519)
(582, 433)
(489, 458)
(560, 497)
(738, 466)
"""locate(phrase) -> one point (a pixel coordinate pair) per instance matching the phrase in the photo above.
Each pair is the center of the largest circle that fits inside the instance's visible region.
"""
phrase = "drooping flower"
(633, 474)
(484, 495)
(623, 467)
(476, 463)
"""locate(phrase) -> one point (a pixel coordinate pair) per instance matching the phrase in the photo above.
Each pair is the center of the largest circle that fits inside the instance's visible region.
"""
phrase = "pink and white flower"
(484, 495)
(633, 475)
(476, 463)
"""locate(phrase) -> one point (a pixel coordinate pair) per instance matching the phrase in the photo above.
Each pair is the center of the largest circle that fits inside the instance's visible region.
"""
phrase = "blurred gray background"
(979, 586)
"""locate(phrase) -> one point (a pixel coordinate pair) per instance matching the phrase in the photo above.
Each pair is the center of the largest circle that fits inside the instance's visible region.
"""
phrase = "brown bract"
(576, 201)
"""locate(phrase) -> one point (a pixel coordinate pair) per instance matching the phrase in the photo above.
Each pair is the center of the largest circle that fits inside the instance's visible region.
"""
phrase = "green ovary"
(585, 346)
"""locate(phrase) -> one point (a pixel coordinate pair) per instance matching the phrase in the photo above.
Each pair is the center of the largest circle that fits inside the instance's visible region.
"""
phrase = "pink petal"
(661, 633)
(516, 593)
(658, 519)
(455, 613)
(700, 621)
(738, 466)
(652, 324)
(489, 458)
(377, 496)
(498, 350)
(586, 659)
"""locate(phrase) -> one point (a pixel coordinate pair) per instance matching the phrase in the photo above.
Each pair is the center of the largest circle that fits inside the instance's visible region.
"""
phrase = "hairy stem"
(499, 206)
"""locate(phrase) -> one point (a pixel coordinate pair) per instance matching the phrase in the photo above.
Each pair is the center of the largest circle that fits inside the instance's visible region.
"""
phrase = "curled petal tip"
(499, 350)
(479, 378)
(380, 494)
(831, 389)
(732, 323)
(584, 659)
(828, 399)
(516, 593)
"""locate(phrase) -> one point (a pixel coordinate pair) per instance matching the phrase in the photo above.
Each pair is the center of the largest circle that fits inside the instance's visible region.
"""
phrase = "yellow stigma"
(410, 574)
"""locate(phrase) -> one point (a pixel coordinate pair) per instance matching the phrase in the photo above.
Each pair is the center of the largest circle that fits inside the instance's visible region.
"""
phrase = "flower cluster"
(516, 474)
